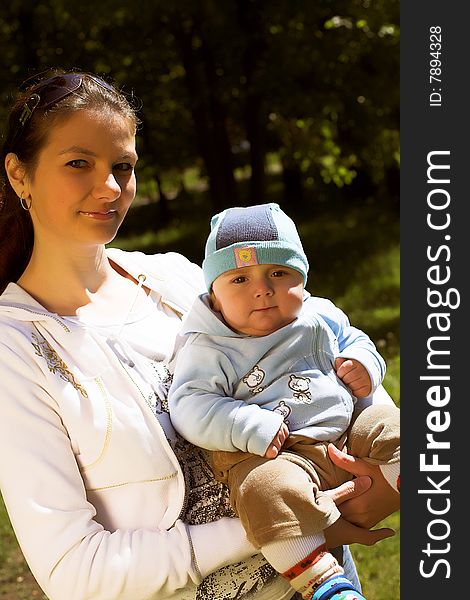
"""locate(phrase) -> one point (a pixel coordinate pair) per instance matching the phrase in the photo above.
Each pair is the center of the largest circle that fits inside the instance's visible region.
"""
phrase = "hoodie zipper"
(186, 495)
(41, 314)
(114, 342)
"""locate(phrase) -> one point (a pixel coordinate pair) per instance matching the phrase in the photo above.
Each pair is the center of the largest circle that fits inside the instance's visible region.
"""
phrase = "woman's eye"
(77, 163)
(123, 167)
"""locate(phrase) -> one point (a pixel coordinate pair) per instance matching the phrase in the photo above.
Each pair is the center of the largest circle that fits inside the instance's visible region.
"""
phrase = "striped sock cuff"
(305, 563)
(324, 566)
(391, 472)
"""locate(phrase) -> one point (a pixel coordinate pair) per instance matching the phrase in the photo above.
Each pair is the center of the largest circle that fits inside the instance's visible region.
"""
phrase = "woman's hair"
(32, 116)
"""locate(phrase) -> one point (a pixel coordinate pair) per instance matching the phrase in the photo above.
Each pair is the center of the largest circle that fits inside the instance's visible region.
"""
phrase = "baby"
(267, 378)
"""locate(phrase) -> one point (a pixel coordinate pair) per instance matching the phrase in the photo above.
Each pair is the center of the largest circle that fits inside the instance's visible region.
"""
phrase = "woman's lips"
(99, 215)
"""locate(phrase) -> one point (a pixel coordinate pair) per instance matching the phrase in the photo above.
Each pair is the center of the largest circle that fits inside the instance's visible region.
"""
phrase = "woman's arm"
(69, 552)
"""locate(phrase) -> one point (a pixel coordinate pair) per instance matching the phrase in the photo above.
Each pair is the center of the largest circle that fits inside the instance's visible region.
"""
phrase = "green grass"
(379, 565)
(16, 581)
(353, 251)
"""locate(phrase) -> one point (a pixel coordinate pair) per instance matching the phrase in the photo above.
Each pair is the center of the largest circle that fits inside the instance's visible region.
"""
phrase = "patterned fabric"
(208, 500)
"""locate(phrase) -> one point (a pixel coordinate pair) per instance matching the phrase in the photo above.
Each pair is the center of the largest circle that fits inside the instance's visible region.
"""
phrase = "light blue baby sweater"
(231, 391)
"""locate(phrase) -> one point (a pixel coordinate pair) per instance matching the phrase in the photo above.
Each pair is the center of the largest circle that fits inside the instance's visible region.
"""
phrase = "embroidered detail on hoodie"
(254, 378)
(301, 388)
(54, 363)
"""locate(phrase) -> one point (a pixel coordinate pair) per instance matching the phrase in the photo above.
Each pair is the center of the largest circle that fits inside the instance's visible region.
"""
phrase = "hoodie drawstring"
(113, 339)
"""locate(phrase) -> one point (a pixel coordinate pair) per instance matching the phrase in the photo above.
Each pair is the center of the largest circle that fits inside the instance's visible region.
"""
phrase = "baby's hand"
(354, 375)
(278, 440)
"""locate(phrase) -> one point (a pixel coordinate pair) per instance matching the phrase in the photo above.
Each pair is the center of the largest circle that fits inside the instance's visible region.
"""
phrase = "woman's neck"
(66, 280)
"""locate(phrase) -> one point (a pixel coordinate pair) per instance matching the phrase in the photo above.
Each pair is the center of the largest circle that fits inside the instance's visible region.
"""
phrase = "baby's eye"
(240, 279)
(278, 273)
(78, 163)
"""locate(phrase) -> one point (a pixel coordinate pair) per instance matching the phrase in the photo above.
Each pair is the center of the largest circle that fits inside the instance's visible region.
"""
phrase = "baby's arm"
(353, 344)
(277, 442)
(203, 410)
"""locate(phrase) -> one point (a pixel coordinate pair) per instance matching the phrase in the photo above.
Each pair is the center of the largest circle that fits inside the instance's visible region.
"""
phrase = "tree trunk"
(163, 201)
(255, 119)
(293, 182)
(209, 119)
(28, 46)
(255, 135)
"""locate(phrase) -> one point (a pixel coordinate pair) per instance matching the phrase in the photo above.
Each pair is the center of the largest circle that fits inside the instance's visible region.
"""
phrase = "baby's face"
(260, 299)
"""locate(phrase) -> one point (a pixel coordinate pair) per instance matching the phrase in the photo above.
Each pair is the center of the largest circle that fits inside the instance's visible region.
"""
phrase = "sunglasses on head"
(49, 92)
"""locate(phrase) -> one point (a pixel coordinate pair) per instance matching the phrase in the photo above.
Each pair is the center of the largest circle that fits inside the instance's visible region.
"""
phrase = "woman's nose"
(108, 188)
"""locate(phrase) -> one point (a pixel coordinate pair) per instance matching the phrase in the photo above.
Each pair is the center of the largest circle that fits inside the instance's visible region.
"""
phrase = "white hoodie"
(92, 487)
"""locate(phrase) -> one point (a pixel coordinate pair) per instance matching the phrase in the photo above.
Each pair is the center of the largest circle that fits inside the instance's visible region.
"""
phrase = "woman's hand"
(343, 532)
(363, 502)
(369, 506)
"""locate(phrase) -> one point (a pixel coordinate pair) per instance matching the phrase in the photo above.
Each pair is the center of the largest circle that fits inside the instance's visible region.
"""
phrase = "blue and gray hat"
(255, 235)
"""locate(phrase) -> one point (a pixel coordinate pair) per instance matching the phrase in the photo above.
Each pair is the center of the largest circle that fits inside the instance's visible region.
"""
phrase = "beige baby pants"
(280, 498)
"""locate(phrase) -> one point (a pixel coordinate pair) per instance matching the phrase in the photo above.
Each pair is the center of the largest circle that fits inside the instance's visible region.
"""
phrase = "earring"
(24, 202)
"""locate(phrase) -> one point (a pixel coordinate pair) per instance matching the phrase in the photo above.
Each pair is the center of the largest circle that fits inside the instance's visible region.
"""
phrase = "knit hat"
(255, 235)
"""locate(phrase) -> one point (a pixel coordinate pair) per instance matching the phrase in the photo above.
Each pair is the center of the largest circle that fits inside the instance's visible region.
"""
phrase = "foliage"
(223, 84)
(300, 98)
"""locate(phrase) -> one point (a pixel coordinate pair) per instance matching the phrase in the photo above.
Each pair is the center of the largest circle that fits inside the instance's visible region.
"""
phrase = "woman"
(90, 465)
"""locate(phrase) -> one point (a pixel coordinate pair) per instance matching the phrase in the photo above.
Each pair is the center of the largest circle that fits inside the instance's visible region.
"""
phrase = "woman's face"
(84, 180)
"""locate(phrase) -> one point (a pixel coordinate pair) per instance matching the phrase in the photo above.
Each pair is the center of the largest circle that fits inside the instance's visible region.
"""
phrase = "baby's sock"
(303, 561)
(392, 474)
